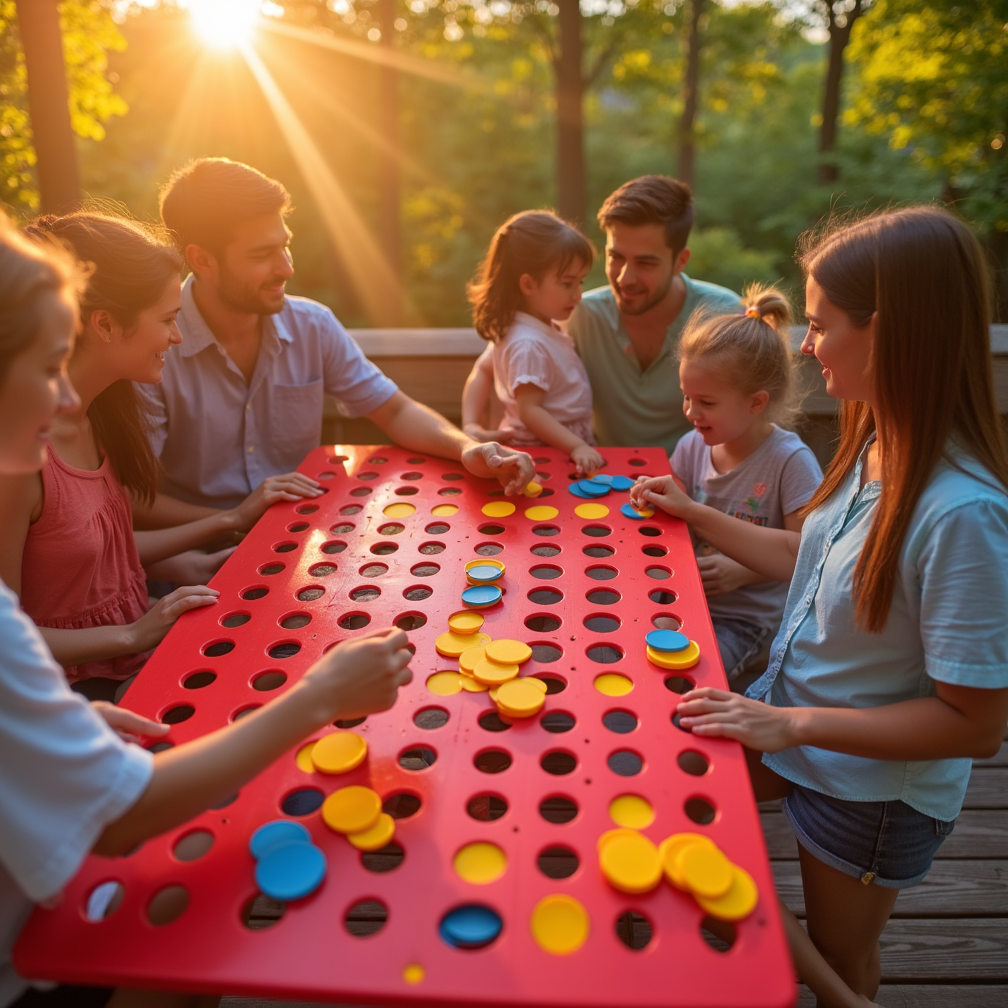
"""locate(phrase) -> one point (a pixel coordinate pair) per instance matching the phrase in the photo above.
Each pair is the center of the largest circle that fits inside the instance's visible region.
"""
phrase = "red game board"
(315, 573)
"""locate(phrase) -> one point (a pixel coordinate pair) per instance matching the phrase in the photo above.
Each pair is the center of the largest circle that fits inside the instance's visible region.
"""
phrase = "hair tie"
(753, 313)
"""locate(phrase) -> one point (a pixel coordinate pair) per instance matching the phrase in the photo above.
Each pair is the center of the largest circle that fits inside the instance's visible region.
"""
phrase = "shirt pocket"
(295, 419)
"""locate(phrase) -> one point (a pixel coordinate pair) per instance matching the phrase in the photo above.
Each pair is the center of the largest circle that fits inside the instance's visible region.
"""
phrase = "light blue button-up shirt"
(947, 623)
(219, 436)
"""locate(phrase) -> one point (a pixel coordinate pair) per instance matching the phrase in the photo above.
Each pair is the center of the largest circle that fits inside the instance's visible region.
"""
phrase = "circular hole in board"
(333, 546)
(693, 763)
(558, 862)
(600, 572)
(558, 809)
(415, 460)
(545, 530)
(666, 621)
(622, 722)
(267, 681)
(218, 648)
(406, 491)
(284, 649)
(417, 758)
(384, 548)
(597, 552)
(425, 569)
(373, 570)
(269, 569)
(338, 459)
(658, 573)
(295, 621)
(492, 761)
(544, 652)
(350, 509)
(298, 527)
(341, 528)
(558, 763)
(235, 619)
(639, 462)
(649, 530)
(365, 918)
(256, 592)
(103, 901)
(322, 570)
(402, 805)
(178, 714)
(377, 460)
(603, 596)
(491, 721)
(386, 859)
(284, 547)
(634, 930)
(310, 594)
(417, 593)
(367, 476)
(159, 747)
(545, 551)
(490, 549)
(199, 680)
(605, 654)
(306, 509)
(542, 623)
(495, 493)
(700, 811)
(391, 529)
(349, 722)
(244, 712)
(486, 807)
(354, 621)
(557, 722)
(546, 492)
(449, 492)
(488, 530)
(546, 572)
(361, 491)
(602, 623)
(625, 763)
(545, 596)
(654, 551)
(365, 593)
(262, 912)
(430, 549)
(302, 802)
(554, 684)
(596, 531)
(438, 528)
(678, 684)
(193, 845)
(453, 476)
(168, 905)
(661, 596)
(720, 935)
(431, 718)
(410, 621)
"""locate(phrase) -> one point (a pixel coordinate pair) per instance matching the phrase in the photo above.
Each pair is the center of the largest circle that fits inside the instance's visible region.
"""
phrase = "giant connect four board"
(492, 815)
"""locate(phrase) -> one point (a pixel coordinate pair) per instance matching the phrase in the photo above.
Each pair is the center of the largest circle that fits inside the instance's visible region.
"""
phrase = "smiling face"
(719, 412)
(36, 388)
(640, 265)
(843, 349)
(557, 294)
(252, 274)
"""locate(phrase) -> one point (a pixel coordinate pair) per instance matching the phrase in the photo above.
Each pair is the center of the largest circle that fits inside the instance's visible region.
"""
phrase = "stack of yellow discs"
(452, 644)
(484, 571)
(520, 698)
(695, 864)
(356, 812)
(630, 861)
(465, 622)
(338, 753)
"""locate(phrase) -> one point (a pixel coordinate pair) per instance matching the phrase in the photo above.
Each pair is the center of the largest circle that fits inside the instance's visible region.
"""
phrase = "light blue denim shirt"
(947, 623)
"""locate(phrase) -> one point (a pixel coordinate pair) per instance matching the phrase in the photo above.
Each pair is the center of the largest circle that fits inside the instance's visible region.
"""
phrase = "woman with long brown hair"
(890, 670)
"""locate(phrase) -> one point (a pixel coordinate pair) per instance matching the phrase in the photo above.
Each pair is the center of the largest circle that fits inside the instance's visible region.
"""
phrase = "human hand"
(720, 574)
(512, 469)
(481, 434)
(716, 713)
(587, 461)
(148, 631)
(288, 487)
(661, 492)
(128, 725)
(362, 675)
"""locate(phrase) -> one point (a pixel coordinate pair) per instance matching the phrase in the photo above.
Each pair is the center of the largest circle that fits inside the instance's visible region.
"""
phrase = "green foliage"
(718, 255)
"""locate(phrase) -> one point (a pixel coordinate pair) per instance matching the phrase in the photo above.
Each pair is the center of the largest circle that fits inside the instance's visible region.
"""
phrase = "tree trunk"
(49, 105)
(839, 36)
(570, 86)
(388, 180)
(691, 87)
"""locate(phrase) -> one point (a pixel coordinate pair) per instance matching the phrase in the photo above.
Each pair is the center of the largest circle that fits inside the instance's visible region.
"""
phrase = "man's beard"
(245, 298)
(655, 298)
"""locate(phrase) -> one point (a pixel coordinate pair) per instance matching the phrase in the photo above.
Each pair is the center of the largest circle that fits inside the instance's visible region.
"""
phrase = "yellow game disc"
(646, 513)
(303, 758)
(613, 684)
(668, 851)
(444, 510)
(444, 683)
(451, 645)
(339, 753)
(480, 863)
(684, 659)
(630, 862)
(532, 489)
(632, 811)
(498, 509)
(400, 509)
(541, 512)
(493, 690)
(609, 834)
(508, 652)
(705, 870)
(471, 657)
(465, 622)
(352, 809)
(738, 902)
(377, 837)
(559, 924)
(494, 673)
(591, 510)
(520, 698)
(538, 683)
(471, 686)
(414, 973)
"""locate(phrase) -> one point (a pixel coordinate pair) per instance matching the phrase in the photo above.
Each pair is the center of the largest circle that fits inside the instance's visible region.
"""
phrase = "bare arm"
(358, 677)
(166, 512)
(20, 504)
(476, 401)
(529, 403)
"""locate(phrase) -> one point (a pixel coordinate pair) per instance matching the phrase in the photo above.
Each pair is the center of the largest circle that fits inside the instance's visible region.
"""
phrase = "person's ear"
(758, 402)
(527, 284)
(103, 324)
(201, 261)
(680, 261)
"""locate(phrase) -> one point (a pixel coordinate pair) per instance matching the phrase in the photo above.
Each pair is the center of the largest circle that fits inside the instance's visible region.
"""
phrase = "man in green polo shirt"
(626, 333)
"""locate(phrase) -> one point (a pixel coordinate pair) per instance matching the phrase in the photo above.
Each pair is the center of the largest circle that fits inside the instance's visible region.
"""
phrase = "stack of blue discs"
(290, 866)
(599, 486)
(470, 927)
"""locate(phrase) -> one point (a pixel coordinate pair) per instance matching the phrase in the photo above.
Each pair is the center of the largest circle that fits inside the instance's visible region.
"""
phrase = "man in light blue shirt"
(241, 400)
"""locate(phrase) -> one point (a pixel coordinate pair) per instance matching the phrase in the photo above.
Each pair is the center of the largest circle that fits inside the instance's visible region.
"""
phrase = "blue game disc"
(470, 926)
(667, 640)
(575, 488)
(291, 872)
(593, 489)
(482, 595)
(273, 834)
(601, 478)
(629, 511)
(485, 572)
(622, 483)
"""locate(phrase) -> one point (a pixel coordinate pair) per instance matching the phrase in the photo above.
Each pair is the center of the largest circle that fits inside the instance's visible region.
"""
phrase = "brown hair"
(532, 242)
(131, 264)
(922, 274)
(204, 202)
(28, 272)
(652, 199)
(751, 350)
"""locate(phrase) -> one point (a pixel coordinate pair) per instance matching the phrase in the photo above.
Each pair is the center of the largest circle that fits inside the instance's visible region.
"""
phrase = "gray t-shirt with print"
(778, 478)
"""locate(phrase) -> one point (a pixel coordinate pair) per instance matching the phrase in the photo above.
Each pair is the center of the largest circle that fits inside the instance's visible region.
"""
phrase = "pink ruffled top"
(80, 566)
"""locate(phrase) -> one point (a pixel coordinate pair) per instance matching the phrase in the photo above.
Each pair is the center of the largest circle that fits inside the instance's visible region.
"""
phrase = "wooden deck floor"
(946, 945)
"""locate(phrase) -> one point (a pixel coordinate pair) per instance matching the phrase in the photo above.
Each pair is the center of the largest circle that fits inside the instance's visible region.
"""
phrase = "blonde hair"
(751, 351)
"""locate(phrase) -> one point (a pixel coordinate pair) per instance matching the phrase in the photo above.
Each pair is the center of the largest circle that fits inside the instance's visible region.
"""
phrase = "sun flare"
(224, 24)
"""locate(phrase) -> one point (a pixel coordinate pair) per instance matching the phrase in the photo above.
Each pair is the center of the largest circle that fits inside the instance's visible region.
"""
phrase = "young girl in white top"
(530, 279)
(736, 376)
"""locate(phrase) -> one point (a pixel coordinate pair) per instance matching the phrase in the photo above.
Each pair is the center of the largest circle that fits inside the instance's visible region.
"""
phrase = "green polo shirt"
(634, 408)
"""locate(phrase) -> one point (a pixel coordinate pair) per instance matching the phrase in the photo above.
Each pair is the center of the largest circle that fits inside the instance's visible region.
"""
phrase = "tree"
(691, 97)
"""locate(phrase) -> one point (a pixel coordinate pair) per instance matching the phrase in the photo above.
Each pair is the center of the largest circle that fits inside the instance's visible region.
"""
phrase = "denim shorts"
(739, 641)
(887, 843)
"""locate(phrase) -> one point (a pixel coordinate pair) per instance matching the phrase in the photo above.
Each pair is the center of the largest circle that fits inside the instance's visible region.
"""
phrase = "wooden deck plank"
(988, 788)
(944, 950)
(931, 996)
(951, 889)
(1000, 760)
